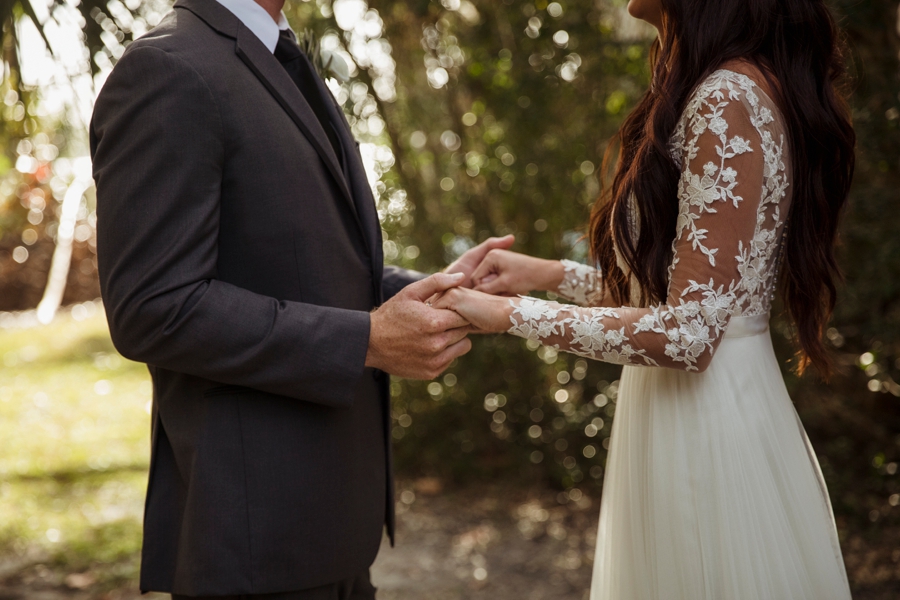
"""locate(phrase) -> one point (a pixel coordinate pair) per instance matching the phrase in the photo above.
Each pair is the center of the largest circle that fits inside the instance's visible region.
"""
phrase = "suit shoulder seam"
(187, 65)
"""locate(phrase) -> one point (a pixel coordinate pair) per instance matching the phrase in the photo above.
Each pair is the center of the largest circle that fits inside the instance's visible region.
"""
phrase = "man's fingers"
(428, 287)
(447, 320)
(471, 329)
(442, 303)
(454, 351)
(453, 336)
(441, 317)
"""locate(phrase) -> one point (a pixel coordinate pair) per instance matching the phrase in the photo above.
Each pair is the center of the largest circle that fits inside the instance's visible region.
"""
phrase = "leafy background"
(483, 118)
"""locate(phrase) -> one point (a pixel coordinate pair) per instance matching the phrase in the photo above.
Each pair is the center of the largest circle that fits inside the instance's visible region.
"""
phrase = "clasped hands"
(420, 331)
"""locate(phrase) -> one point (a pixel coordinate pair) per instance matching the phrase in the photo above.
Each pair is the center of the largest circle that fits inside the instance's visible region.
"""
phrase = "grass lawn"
(75, 427)
(74, 451)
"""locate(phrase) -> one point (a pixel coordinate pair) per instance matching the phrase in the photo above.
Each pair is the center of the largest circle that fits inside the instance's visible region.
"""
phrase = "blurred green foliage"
(854, 421)
(497, 114)
(72, 467)
(512, 143)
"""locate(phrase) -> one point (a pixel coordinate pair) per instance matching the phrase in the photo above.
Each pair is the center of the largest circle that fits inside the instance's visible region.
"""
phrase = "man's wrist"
(373, 356)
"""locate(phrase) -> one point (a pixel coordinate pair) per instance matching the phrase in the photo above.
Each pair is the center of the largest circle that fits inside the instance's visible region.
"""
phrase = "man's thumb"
(434, 284)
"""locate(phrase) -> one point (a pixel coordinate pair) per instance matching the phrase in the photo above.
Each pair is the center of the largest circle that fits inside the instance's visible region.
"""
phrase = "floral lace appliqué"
(755, 259)
(692, 327)
(684, 332)
(537, 320)
(581, 284)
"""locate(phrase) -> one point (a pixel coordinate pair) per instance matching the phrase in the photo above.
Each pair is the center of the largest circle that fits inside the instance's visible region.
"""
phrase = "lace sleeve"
(581, 284)
(719, 192)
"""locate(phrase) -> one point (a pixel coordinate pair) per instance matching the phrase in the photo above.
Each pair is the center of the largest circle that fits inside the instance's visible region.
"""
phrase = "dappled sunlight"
(474, 118)
(73, 402)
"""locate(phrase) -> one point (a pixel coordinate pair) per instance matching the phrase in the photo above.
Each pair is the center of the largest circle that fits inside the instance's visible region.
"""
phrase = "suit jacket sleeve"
(395, 279)
(158, 147)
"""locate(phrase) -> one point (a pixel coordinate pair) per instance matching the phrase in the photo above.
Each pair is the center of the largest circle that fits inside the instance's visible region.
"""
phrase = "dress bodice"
(733, 197)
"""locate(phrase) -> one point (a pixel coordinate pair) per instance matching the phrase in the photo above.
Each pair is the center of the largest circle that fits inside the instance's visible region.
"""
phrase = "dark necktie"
(300, 69)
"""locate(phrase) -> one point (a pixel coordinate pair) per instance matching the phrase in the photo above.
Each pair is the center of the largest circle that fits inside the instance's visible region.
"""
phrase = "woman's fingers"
(490, 265)
(496, 286)
(484, 280)
(499, 242)
(462, 301)
(469, 261)
(443, 301)
(484, 312)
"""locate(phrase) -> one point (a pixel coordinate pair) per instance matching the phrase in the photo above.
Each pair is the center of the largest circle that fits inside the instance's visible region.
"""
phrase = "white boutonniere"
(327, 63)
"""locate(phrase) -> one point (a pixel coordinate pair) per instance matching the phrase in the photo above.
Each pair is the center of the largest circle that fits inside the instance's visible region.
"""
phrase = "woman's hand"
(469, 261)
(506, 273)
(486, 313)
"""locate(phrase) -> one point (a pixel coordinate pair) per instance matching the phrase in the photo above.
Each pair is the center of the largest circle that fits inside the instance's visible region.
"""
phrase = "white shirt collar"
(257, 20)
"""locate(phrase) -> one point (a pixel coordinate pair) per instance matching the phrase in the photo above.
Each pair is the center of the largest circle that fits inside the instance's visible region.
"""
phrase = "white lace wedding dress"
(712, 491)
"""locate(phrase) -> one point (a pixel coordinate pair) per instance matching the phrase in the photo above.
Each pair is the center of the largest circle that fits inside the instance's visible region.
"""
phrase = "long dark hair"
(796, 45)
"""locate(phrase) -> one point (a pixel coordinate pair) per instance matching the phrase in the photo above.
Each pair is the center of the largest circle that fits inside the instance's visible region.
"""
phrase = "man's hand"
(410, 339)
(469, 261)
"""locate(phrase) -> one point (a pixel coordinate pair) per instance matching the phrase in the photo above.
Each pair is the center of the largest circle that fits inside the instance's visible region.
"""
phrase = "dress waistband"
(747, 326)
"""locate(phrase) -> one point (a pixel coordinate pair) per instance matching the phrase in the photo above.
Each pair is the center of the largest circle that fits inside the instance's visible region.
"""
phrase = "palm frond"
(29, 12)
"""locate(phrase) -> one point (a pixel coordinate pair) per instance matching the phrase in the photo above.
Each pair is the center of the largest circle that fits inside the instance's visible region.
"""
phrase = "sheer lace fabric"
(581, 284)
(733, 196)
(711, 488)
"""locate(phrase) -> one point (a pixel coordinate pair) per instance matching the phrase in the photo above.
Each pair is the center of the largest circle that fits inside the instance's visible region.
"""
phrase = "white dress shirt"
(257, 20)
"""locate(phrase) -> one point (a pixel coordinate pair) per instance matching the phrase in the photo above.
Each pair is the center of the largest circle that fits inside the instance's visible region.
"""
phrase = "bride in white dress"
(712, 491)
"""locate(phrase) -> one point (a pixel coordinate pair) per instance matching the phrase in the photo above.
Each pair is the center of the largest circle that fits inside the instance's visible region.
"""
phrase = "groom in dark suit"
(240, 258)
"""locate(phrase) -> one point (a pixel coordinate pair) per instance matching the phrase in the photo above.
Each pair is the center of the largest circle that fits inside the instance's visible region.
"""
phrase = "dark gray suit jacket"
(239, 258)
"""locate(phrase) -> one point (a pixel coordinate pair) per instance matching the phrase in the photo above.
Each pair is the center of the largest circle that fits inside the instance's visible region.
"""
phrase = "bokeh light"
(474, 119)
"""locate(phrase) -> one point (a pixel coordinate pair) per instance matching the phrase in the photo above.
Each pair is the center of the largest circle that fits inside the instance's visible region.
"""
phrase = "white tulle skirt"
(712, 490)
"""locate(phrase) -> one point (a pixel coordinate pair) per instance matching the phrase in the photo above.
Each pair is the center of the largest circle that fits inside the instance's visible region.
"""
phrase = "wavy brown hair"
(797, 47)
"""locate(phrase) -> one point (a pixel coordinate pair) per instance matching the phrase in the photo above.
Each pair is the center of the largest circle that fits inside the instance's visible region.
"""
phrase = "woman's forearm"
(582, 284)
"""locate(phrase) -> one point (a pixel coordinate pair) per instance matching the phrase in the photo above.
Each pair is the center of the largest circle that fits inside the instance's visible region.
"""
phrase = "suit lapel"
(358, 180)
(275, 79)
(278, 82)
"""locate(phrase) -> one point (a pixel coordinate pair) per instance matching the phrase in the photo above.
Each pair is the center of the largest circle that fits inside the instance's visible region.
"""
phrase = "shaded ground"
(477, 543)
(73, 457)
(491, 542)
(539, 545)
